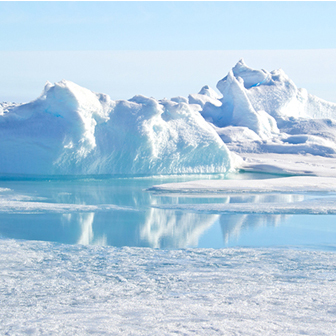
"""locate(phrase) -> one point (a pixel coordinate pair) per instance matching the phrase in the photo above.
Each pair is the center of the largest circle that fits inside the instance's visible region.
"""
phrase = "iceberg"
(72, 130)
(265, 119)
(267, 108)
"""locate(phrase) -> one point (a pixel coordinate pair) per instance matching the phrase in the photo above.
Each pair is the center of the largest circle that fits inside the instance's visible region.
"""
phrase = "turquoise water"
(141, 225)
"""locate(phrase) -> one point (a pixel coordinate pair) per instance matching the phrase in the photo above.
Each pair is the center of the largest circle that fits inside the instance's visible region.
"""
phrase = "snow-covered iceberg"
(264, 112)
(71, 130)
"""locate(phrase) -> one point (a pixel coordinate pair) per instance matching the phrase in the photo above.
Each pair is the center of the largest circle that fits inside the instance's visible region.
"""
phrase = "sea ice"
(318, 206)
(294, 184)
(61, 289)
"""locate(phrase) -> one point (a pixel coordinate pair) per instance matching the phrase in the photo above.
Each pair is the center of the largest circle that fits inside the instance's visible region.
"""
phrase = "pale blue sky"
(172, 47)
(167, 25)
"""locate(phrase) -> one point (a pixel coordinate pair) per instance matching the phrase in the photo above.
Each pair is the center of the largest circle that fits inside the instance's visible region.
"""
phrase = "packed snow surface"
(72, 130)
(83, 290)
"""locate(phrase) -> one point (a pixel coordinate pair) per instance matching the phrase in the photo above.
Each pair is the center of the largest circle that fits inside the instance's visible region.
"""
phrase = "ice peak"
(47, 86)
(249, 76)
(208, 91)
(240, 65)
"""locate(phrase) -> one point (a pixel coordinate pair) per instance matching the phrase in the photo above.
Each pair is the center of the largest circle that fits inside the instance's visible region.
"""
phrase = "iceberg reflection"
(87, 236)
(156, 221)
(174, 229)
(233, 225)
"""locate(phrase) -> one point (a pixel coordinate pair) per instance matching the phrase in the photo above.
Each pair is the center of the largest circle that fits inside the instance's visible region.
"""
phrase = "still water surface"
(142, 225)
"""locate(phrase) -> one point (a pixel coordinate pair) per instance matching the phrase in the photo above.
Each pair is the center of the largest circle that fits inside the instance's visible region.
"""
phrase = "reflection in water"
(233, 225)
(147, 227)
(174, 229)
(87, 235)
(85, 221)
(266, 198)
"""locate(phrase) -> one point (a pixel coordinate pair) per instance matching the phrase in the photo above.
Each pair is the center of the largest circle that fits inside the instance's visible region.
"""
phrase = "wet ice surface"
(49, 288)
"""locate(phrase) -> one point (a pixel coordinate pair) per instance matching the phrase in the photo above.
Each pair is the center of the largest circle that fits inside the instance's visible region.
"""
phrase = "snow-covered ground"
(52, 289)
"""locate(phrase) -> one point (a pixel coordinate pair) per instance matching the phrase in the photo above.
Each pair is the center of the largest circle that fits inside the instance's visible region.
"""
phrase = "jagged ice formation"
(72, 130)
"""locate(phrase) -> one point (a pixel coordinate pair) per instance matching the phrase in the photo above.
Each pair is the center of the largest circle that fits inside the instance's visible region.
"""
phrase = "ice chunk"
(264, 112)
(179, 99)
(206, 95)
(237, 110)
(249, 76)
(147, 136)
(274, 93)
(236, 134)
(72, 130)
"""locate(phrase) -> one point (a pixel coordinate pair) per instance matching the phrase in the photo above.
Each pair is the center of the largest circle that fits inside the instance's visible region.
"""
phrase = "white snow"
(264, 113)
(206, 95)
(80, 290)
(310, 165)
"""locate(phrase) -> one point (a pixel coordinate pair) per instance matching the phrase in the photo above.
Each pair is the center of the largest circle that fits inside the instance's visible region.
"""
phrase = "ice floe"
(324, 187)
(293, 184)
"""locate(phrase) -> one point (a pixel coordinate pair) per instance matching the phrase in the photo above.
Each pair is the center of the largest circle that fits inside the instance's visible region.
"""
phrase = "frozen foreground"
(75, 290)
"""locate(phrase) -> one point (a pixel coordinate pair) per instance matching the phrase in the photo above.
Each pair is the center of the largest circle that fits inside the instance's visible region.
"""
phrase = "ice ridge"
(72, 130)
